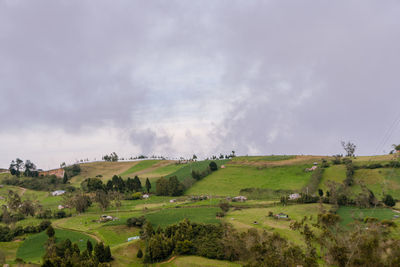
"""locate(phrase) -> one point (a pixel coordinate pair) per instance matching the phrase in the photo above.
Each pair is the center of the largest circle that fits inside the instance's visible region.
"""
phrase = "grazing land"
(273, 176)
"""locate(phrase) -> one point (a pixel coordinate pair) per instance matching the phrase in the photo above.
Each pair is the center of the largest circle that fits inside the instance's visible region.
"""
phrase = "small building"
(133, 238)
(313, 168)
(239, 199)
(172, 200)
(61, 207)
(222, 166)
(57, 193)
(106, 218)
(294, 196)
(281, 216)
(145, 196)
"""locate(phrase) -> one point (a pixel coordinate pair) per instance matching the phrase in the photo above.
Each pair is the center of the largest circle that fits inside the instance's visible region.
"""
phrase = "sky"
(81, 79)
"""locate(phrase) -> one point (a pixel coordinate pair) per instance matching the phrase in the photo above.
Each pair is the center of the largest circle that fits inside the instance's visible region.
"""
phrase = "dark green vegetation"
(342, 201)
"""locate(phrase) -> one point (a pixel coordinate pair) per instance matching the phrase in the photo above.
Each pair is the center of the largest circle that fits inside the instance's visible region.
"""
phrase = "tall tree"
(137, 184)
(349, 147)
(148, 185)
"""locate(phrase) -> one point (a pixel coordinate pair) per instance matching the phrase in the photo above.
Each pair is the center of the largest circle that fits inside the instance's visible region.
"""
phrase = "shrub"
(136, 195)
(136, 221)
(213, 166)
(389, 201)
(139, 253)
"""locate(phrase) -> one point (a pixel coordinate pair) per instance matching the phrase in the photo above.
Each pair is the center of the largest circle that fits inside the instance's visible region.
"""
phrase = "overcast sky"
(79, 79)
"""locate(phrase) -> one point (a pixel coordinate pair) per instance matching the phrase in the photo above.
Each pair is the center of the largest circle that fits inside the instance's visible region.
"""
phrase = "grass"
(262, 158)
(10, 250)
(244, 219)
(349, 214)
(167, 217)
(142, 165)
(186, 170)
(196, 261)
(335, 173)
(229, 181)
(106, 169)
(114, 235)
(33, 248)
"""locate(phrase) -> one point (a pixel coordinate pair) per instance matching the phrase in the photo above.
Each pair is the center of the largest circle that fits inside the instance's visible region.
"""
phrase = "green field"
(262, 158)
(32, 249)
(196, 261)
(186, 170)
(166, 217)
(349, 214)
(229, 181)
(142, 165)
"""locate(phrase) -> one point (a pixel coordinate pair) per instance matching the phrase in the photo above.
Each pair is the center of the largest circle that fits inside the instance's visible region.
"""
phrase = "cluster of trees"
(112, 157)
(136, 221)
(66, 253)
(28, 168)
(221, 242)
(7, 234)
(71, 171)
(115, 184)
(349, 181)
(169, 187)
(41, 183)
(365, 244)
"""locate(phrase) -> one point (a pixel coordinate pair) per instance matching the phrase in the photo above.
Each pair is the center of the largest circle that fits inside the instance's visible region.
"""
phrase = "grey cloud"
(283, 76)
(151, 141)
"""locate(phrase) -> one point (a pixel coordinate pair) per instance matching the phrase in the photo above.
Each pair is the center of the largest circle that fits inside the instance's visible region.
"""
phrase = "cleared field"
(32, 249)
(258, 217)
(279, 160)
(229, 181)
(349, 214)
(106, 169)
(114, 235)
(166, 217)
(196, 261)
(142, 165)
(162, 171)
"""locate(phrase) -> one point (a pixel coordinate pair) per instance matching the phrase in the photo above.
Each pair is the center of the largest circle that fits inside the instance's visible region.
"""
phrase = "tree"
(148, 185)
(162, 187)
(65, 178)
(175, 188)
(213, 166)
(50, 231)
(139, 253)
(389, 201)
(194, 157)
(320, 192)
(349, 148)
(27, 208)
(137, 185)
(81, 202)
(13, 200)
(224, 206)
(89, 247)
(103, 199)
(30, 169)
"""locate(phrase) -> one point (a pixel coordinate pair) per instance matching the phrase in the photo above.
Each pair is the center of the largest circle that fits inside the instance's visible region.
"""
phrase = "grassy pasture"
(196, 261)
(186, 170)
(32, 249)
(261, 158)
(106, 169)
(244, 219)
(162, 171)
(229, 181)
(349, 214)
(142, 165)
(10, 250)
(166, 217)
(335, 173)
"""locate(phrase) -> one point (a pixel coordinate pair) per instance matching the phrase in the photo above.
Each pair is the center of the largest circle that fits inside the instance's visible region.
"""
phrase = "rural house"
(294, 196)
(57, 193)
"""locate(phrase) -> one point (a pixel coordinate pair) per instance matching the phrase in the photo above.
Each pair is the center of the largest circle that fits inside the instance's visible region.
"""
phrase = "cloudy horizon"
(80, 79)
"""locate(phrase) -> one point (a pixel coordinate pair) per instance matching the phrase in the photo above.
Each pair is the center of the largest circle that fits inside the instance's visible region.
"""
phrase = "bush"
(213, 166)
(136, 222)
(389, 201)
(60, 214)
(139, 253)
(137, 195)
